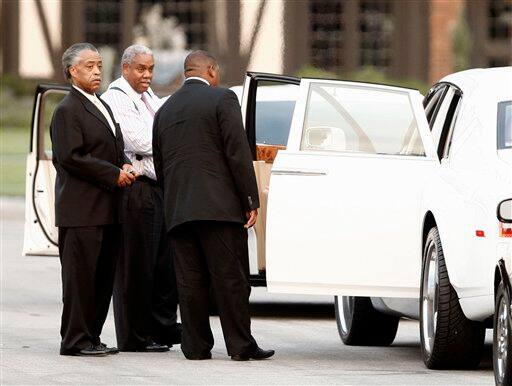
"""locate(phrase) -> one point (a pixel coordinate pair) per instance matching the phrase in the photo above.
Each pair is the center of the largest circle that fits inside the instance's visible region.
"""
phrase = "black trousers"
(213, 253)
(145, 294)
(88, 256)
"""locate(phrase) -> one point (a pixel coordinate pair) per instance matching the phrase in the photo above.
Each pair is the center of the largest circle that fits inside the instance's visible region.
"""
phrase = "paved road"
(302, 330)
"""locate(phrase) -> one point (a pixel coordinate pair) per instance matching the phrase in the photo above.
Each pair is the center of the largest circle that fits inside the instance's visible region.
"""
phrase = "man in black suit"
(91, 167)
(203, 161)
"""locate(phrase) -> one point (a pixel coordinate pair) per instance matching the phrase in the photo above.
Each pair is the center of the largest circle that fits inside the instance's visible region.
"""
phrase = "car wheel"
(502, 362)
(359, 324)
(448, 338)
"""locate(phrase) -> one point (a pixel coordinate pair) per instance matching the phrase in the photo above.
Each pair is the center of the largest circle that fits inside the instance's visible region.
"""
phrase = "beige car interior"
(265, 155)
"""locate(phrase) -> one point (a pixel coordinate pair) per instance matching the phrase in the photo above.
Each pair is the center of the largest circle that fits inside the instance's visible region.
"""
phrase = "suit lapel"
(89, 106)
(111, 113)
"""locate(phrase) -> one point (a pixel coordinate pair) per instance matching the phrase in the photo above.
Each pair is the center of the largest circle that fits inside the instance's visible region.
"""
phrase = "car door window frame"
(250, 117)
(39, 118)
(303, 108)
(445, 141)
(37, 142)
(431, 112)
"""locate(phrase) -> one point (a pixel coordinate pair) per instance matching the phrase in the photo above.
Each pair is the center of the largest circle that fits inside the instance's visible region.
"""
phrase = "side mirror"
(324, 138)
(318, 137)
(505, 211)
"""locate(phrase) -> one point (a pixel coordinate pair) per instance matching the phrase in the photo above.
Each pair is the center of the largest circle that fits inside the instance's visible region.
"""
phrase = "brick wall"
(442, 20)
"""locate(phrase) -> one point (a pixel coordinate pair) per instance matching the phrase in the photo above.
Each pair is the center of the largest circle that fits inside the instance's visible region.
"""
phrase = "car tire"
(360, 324)
(502, 338)
(449, 340)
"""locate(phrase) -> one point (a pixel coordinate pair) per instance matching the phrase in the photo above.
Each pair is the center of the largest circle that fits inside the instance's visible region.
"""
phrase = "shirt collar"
(123, 84)
(197, 78)
(91, 97)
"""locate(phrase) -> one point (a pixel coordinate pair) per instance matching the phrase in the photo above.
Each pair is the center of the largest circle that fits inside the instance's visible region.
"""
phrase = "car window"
(355, 118)
(433, 101)
(445, 140)
(437, 124)
(273, 119)
(505, 125)
(49, 101)
(274, 111)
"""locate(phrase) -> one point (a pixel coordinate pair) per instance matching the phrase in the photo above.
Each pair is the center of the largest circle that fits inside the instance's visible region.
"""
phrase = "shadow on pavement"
(292, 310)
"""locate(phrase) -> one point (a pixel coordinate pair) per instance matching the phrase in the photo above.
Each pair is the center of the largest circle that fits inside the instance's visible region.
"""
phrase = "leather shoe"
(256, 354)
(109, 350)
(155, 347)
(199, 357)
(92, 351)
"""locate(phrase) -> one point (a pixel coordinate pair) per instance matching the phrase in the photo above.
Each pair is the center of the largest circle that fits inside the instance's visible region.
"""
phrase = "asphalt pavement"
(302, 330)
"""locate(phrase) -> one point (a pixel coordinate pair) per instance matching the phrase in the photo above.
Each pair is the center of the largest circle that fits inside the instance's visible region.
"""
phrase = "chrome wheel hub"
(345, 310)
(429, 301)
(501, 343)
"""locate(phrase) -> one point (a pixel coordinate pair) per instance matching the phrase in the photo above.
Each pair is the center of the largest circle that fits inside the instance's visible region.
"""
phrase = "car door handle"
(298, 172)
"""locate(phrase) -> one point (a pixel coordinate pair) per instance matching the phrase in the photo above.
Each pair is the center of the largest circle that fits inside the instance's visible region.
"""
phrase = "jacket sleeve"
(157, 154)
(236, 150)
(67, 147)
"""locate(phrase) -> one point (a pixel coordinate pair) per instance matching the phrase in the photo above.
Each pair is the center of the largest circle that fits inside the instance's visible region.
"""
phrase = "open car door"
(41, 235)
(268, 102)
(344, 199)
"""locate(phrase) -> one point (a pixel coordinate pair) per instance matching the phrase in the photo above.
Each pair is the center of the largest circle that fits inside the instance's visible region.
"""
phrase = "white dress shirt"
(136, 123)
(96, 102)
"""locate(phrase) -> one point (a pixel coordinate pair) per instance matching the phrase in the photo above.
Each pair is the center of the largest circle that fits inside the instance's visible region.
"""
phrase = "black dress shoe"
(154, 347)
(92, 351)
(109, 350)
(257, 355)
(198, 357)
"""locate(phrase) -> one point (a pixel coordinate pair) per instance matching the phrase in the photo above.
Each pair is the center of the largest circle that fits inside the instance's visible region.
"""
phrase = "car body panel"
(325, 206)
(40, 234)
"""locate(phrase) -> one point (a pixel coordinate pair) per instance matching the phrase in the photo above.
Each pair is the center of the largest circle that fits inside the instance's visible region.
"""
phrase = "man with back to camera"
(203, 160)
(145, 295)
(91, 167)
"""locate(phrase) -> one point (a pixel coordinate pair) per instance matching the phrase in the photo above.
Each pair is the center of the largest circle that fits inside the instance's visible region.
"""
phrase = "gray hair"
(131, 52)
(70, 56)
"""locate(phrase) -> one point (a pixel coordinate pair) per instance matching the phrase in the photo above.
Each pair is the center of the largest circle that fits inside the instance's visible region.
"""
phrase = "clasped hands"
(127, 176)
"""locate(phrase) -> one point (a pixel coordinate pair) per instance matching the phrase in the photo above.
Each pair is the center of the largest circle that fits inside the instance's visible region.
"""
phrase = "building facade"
(417, 39)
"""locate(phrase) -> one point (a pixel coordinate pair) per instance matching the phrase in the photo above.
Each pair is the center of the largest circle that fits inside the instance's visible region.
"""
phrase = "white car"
(368, 191)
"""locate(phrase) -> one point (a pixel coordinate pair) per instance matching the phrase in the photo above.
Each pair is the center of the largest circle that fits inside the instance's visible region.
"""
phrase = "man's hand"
(125, 178)
(129, 169)
(251, 218)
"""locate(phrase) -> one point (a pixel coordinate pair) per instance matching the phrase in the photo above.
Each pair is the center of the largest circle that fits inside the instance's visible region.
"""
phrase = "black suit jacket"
(202, 157)
(87, 157)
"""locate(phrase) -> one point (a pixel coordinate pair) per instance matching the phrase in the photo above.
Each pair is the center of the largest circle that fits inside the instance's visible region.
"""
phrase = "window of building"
(326, 28)
(499, 62)
(103, 23)
(500, 19)
(337, 120)
(377, 27)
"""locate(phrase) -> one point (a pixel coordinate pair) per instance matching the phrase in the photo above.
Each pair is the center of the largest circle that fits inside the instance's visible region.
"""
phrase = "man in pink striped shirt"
(145, 296)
